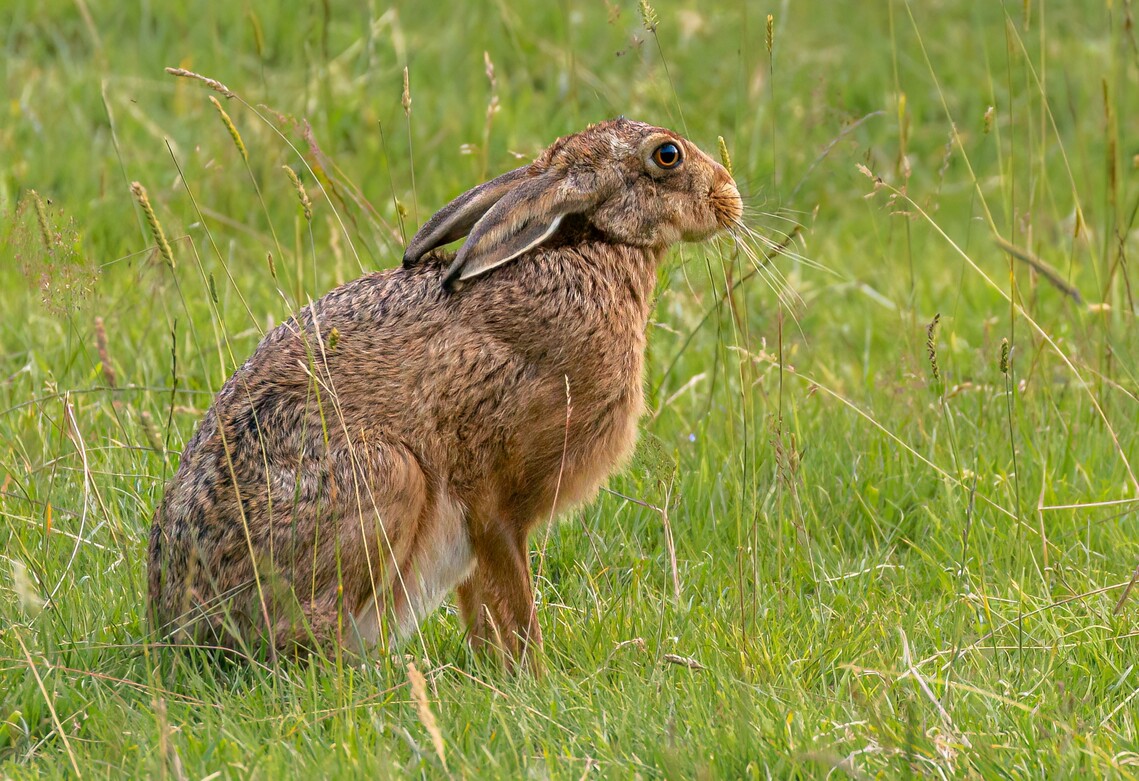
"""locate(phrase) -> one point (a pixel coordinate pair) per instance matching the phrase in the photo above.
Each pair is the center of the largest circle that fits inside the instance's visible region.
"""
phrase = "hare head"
(635, 184)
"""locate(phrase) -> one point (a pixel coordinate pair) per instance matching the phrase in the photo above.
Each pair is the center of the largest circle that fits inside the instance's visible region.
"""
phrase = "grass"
(880, 568)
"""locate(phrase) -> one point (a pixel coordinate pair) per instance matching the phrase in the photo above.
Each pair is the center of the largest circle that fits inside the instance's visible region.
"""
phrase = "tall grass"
(852, 542)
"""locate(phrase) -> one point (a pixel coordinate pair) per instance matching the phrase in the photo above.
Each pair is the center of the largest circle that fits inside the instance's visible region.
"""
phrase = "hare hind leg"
(420, 534)
(473, 611)
(343, 576)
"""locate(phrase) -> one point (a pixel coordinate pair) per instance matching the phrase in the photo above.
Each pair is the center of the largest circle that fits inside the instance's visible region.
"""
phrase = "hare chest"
(607, 443)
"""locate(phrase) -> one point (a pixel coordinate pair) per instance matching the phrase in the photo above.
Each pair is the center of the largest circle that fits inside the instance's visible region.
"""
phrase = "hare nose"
(726, 196)
(722, 176)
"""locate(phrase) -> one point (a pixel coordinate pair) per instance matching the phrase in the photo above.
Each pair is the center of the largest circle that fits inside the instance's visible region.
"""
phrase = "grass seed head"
(648, 17)
(41, 219)
(26, 590)
(306, 204)
(489, 65)
(258, 33)
(770, 34)
(61, 271)
(150, 429)
(143, 199)
(213, 84)
(232, 128)
(405, 99)
(725, 158)
(931, 347)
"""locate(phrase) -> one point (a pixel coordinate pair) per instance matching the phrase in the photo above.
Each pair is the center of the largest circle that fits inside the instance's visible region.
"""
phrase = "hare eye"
(667, 155)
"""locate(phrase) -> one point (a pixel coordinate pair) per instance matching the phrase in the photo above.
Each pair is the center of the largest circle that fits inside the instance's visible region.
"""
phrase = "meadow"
(882, 521)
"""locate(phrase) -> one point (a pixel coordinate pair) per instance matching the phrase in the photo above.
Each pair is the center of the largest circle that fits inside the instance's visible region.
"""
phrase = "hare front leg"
(497, 601)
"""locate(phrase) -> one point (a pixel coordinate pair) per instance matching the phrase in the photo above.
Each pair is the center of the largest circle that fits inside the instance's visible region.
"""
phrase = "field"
(882, 521)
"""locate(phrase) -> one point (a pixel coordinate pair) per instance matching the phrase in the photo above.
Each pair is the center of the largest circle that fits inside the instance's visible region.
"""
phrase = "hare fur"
(402, 436)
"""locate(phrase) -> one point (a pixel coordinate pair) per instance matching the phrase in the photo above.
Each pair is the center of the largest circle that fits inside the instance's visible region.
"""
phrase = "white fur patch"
(445, 559)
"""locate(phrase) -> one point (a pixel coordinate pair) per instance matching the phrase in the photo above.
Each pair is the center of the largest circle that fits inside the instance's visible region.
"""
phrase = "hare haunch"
(340, 487)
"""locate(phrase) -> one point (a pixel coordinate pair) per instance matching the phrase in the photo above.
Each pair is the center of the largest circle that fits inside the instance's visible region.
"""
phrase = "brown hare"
(403, 435)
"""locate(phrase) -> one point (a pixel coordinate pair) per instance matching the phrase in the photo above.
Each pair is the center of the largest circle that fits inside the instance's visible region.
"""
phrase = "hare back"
(338, 469)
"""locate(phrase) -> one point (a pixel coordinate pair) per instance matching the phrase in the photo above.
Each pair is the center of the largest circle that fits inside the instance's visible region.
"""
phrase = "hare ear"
(525, 217)
(455, 220)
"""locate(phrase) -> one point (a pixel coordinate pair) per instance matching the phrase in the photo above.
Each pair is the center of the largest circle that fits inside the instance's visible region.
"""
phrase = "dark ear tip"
(410, 258)
(451, 283)
(452, 277)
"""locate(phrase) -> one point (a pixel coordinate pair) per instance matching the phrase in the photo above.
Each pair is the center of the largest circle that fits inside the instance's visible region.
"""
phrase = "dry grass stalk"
(166, 750)
(636, 642)
(49, 701)
(213, 84)
(423, 704)
(492, 107)
(670, 543)
(143, 199)
(405, 99)
(1126, 591)
(1041, 268)
(683, 661)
